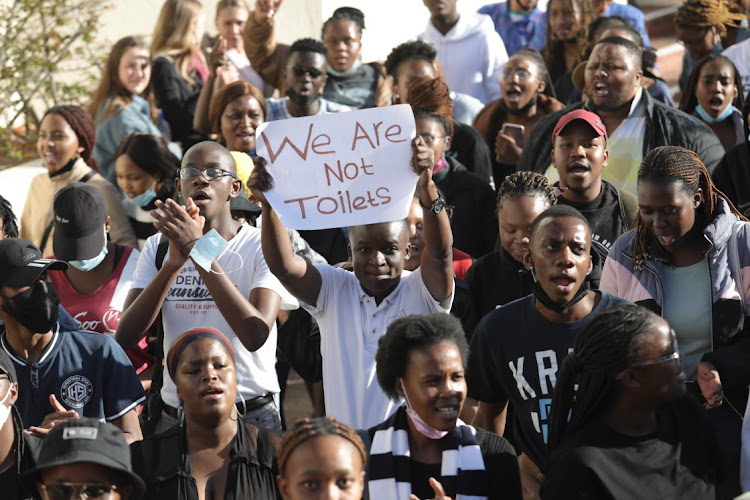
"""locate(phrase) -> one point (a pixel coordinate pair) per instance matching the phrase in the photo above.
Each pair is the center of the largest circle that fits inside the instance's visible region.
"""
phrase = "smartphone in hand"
(515, 131)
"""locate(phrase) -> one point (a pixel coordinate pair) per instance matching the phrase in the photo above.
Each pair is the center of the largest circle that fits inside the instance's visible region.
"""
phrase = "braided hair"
(666, 164)
(689, 100)
(347, 14)
(526, 184)
(83, 126)
(706, 14)
(10, 224)
(610, 342)
(311, 428)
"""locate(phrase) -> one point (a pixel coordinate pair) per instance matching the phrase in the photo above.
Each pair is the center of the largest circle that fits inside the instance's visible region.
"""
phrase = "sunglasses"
(675, 356)
(300, 72)
(75, 491)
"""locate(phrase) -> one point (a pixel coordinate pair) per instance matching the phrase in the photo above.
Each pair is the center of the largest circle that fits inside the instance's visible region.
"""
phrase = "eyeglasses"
(430, 140)
(675, 356)
(522, 74)
(211, 174)
(75, 491)
(300, 72)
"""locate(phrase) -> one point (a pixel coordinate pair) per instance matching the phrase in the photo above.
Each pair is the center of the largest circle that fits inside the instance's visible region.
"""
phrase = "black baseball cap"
(80, 214)
(85, 440)
(242, 203)
(21, 263)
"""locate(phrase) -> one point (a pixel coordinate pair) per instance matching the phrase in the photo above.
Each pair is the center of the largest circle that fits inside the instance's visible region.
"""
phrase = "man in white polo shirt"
(354, 310)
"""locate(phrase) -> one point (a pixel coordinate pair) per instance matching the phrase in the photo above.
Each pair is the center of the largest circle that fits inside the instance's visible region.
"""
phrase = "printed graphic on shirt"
(534, 378)
(106, 324)
(190, 294)
(76, 391)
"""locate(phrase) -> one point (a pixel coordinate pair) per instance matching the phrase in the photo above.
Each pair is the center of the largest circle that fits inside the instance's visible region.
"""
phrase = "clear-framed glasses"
(521, 74)
(675, 356)
(76, 491)
(430, 140)
(211, 174)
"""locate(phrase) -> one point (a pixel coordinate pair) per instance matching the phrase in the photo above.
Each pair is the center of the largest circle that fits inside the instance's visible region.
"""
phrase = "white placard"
(341, 169)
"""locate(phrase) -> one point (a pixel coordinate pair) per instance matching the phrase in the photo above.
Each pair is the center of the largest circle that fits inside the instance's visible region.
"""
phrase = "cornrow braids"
(347, 14)
(311, 428)
(526, 184)
(664, 165)
(707, 13)
(610, 342)
(689, 100)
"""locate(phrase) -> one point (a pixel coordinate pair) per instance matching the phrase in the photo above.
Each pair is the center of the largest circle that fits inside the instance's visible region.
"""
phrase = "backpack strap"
(153, 407)
(628, 207)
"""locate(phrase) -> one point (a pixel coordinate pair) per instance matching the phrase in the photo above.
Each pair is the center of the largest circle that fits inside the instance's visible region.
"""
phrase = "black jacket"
(732, 176)
(177, 99)
(163, 462)
(665, 126)
(474, 223)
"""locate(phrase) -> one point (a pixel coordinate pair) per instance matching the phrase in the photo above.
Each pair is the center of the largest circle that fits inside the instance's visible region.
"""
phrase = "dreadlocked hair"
(15, 416)
(586, 12)
(431, 97)
(610, 342)
(707, 13)
(689, 100)
(526, 184)
(311, 428)
(664, 165)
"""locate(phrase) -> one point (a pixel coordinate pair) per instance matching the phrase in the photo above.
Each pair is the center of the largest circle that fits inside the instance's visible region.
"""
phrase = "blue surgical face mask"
(209, 248)
(145, 198)
(709, 119)
(89, 264)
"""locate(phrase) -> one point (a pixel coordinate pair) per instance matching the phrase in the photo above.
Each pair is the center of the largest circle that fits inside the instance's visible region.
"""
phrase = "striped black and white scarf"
(389, 465)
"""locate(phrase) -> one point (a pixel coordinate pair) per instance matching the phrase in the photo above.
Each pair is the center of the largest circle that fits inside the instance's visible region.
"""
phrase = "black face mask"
(519, 111)
(547, 301)
(301, 100)
(37, 307)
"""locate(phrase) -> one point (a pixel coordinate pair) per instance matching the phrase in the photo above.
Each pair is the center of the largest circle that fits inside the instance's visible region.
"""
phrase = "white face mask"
(4, 410)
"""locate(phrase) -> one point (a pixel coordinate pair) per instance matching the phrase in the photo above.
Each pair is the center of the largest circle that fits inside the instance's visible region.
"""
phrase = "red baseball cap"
(581, 114)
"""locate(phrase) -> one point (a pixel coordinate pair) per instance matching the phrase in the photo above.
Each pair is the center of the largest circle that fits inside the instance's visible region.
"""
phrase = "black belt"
(249, 405)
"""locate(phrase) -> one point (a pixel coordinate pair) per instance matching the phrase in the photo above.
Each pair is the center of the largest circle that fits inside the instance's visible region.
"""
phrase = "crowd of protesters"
(562, 314)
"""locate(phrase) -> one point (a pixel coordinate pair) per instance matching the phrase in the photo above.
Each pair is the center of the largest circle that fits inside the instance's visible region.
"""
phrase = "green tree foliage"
(47, 56)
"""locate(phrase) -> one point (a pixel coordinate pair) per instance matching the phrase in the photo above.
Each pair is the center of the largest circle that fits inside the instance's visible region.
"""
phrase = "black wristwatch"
(436, 207)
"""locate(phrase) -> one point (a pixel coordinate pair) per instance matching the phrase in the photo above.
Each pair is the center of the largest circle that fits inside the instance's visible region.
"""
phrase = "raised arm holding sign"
(377, 251)
(340, 170)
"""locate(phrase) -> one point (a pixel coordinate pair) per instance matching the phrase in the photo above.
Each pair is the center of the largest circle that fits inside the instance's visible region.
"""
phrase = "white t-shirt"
(350, 325)
(189, 304)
